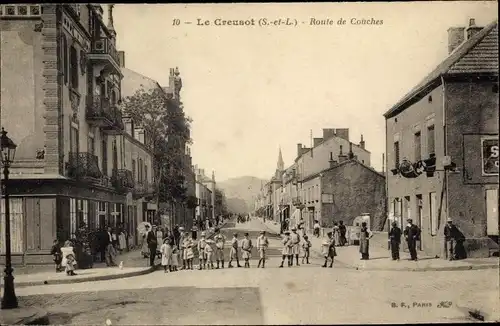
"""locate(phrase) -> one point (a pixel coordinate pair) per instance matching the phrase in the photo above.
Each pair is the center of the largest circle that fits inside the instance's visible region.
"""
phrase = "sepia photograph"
(249, 163)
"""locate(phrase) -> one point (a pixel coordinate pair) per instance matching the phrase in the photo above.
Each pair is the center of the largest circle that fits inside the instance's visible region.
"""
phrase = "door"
(492, 212)
(420, 221)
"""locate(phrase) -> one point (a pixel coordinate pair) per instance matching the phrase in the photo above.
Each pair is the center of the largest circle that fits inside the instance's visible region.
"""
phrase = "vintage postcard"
(249, 163)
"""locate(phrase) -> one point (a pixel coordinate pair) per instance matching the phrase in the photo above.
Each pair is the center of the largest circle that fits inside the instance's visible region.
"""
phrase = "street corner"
(84, 275)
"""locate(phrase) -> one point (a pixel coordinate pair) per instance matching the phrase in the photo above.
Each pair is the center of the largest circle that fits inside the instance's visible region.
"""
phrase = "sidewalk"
(24, 316)
(380, 258)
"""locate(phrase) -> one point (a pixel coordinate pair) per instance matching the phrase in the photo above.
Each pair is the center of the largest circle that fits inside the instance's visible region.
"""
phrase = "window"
(64, 56)
(73, 58)
(91, 145)
(146, 173)
(433, 213)
(133, 170)
(398, 208)
(140, 171)
(418, 146)
(104, 149)
(73, 139)
(431, 146)
(396, 154)
(102, 209)
(16, 227)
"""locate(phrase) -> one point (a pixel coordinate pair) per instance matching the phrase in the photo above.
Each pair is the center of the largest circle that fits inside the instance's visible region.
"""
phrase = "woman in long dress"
(364, 242)
(336, 233)
(144, 247)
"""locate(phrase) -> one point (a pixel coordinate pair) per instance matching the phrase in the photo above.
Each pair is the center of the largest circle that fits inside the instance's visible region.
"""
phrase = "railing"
(83, 165)
(104, 45)
(123, 180)
(74, 9)
(99, 107)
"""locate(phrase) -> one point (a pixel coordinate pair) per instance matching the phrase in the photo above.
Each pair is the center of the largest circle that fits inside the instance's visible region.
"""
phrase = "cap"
(409, 220)
(181, 228)
(287, 232)
(294, 229)
(449, 219)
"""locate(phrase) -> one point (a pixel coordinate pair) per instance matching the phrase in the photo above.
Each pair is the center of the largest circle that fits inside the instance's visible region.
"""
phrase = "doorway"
(420, 220)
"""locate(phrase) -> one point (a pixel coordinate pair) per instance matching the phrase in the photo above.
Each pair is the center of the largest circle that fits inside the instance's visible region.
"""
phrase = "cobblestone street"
(271, 295)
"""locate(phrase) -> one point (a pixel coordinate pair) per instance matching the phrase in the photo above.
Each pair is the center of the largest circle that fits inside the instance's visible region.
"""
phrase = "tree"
(168, 131)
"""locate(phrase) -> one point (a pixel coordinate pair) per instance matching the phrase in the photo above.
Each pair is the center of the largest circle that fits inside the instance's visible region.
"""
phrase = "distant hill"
(241, 192)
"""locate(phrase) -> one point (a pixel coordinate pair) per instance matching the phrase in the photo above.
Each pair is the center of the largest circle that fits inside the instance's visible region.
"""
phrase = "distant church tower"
(280, 167)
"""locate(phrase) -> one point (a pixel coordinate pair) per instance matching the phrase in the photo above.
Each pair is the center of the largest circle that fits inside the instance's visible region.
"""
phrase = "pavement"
(305, 294)
(380, 257)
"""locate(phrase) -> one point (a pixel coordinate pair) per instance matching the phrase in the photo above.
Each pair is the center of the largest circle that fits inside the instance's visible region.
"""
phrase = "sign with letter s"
(489, 155)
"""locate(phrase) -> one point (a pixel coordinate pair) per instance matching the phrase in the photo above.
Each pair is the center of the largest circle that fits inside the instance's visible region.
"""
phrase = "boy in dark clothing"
(395, 240)
(56, 252)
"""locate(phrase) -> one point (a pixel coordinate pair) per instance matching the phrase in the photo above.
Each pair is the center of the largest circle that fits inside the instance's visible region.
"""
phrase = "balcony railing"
(102, 46)
(83, 166)
(123, 180)
(99, 112)
(116, 126)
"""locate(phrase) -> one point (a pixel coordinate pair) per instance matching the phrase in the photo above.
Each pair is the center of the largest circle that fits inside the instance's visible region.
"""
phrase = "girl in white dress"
(188, 253)
(68, 258)
(166, 254)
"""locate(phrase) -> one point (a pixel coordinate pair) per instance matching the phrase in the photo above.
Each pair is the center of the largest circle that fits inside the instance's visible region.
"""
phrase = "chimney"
(121, 57)
(456, 35)
(328, 133)
(472, 29)
(362, 142)
(317, 141)
(351, 154)
(343, 133)
(299, 150)
(331, 161)
(342, 156)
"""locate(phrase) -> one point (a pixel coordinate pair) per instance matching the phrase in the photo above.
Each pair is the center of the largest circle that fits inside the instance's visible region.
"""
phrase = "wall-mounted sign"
(327, 198)
(489, 155)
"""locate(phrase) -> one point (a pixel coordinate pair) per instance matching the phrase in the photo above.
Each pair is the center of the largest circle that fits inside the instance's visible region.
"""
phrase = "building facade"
(71, 167)
(451, 117)
(204, 195)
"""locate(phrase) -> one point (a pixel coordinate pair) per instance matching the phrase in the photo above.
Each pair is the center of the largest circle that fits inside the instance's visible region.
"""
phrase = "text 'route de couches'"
(283, 21)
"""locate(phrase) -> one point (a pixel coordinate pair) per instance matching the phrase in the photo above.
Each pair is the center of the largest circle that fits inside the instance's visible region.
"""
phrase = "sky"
(251, 90)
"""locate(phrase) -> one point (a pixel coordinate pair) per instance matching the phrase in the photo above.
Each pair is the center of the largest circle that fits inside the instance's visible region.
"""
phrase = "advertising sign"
(489, 155)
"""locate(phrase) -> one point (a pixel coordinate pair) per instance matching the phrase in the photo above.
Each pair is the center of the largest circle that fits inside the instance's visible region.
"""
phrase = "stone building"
(204, 194)
(61, 85)
(450, 119)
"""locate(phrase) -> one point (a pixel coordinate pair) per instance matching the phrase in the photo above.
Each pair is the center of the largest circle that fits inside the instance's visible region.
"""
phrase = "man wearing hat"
(262, 244)
(412, 235)
(295, 238)
(395, 240)
(450, 236)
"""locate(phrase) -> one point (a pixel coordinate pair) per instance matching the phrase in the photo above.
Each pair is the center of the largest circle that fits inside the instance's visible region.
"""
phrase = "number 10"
(176, 22)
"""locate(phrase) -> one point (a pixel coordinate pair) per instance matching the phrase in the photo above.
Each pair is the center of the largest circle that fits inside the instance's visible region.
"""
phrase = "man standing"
(220, 240)
(262, 244)
(343, 232)
(110, 250)
(180, 242)
(395, 240)
(450, 237)
(412, 235)
(295, 238)
(152, 245)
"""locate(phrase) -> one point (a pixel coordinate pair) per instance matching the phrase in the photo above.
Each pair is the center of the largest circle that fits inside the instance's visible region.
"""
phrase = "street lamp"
(8, 149)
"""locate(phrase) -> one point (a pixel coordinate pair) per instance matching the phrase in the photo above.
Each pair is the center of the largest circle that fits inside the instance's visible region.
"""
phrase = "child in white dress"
(166, 254)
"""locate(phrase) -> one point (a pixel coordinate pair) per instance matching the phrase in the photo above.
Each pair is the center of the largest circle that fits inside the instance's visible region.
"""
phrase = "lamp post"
(8, 149)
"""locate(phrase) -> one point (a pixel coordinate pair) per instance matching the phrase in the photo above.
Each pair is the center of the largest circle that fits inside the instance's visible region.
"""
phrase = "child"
(317, 228)
(166, 254)
(188, 250)
(262, 244)
(68, 258)
(56, 252)
(287, 249)
(202, 256)
(246, 247)
(220, 240)
(233, 254)
(209, 251)
(329, 249)
(306, 245)
(175, 258)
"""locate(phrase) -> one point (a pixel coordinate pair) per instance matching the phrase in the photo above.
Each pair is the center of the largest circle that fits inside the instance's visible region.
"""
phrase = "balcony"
(84, 166)
(144, 189)
(122, 180)
(116, 126)
(103, 52)
(99, 112)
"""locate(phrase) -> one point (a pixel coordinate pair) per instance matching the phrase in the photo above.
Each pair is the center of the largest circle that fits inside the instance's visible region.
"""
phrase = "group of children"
(64, 257)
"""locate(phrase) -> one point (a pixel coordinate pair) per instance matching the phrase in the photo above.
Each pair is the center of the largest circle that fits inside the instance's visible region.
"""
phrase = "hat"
(287, 232)
(202, 234)
(409, 220)
(449, 219)
(294, 229)
(181, 228)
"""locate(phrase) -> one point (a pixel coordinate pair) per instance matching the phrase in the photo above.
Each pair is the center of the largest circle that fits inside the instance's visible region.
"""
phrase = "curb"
(431, 269)
(87, 279)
